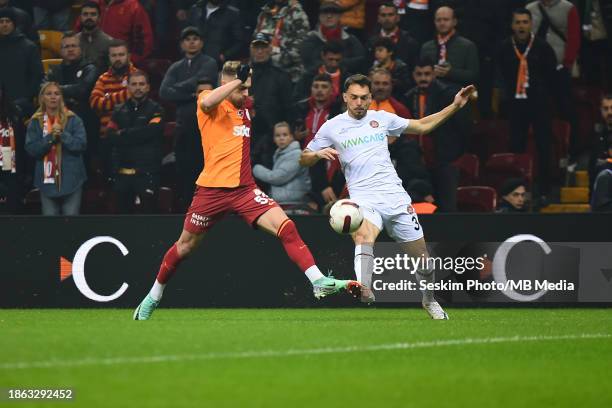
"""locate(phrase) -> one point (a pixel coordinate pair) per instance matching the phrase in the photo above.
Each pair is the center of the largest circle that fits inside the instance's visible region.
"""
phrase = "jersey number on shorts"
(261, 197)
(417, 226)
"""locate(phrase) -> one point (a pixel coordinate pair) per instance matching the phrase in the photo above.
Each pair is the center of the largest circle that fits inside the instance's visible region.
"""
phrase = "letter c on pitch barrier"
(499, 265)
(78, 269)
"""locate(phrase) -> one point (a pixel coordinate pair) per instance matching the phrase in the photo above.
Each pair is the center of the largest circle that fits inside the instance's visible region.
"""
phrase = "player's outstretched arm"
(431, 122)
(310, 158)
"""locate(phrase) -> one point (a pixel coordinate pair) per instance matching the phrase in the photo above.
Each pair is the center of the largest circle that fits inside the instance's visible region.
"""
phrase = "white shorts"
(393, 213)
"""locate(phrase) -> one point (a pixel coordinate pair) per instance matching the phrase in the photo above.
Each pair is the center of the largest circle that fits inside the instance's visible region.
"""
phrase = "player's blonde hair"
(230, 69)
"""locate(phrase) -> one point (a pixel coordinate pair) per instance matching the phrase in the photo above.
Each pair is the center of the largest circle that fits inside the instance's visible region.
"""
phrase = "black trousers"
(523, 113)
(189, 162)
(143, 185)
(562, 93)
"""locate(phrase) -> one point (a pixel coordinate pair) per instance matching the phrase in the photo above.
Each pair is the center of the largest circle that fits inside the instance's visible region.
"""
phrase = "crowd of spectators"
(99, 119)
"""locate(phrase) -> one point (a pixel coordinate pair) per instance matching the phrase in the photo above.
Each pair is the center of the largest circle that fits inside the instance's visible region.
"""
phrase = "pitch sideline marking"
(288, 353)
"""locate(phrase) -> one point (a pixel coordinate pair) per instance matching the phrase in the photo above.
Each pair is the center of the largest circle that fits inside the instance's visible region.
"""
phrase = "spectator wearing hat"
(219, 25)
(23, 21)
(179, 86)
(22, 71)
(271, 90)
(286, 23)
(512, 194)
(329, 29)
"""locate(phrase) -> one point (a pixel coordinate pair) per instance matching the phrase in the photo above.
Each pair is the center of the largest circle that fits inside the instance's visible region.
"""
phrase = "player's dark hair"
(323, 77)
(357, 79)
(522, 11)
(91, 4)
(386, 43)
(424, 62)
(334, 47)
(606, 96)
(138, 73)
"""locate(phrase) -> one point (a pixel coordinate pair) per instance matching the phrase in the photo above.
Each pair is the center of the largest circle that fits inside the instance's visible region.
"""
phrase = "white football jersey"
(364, 151)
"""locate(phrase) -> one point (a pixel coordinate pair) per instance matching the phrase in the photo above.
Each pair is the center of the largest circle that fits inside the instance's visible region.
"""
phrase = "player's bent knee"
(187, 243)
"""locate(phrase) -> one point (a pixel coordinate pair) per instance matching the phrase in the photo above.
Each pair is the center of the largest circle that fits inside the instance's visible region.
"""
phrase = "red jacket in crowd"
(127, 20)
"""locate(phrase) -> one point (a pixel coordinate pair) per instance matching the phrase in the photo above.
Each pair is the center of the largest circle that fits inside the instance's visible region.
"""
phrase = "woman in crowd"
(56, 139)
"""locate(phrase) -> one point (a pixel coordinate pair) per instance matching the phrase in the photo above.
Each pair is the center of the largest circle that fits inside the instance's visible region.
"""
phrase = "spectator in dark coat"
(22, 76)
(384, 57)
(136, 134)
(76, 79)
(512, 193)
(329, 29)
(52, 14)
(219, 24)
(271, 90)
(527, 65)
(180, 87)
(430, 96)
(406, 48)
(23, 21)
(456, 57)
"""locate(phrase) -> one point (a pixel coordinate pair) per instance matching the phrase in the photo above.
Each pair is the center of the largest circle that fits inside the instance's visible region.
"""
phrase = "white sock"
(157, 290)
(428, 275)
(364, 260)
(313, 273)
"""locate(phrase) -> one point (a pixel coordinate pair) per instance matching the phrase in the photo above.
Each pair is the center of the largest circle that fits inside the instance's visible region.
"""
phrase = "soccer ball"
(345, 217)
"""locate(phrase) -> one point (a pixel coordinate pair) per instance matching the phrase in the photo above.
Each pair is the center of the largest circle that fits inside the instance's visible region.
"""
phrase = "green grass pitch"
(361, 357)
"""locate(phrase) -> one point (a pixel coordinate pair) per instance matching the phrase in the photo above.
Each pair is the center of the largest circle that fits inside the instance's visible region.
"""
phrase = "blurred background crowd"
(98, 99)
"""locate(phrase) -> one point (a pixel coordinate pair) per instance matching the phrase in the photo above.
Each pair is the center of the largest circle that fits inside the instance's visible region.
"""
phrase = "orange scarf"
(52, 162)
(7, 150)
(442, 40)
(422, 105)
(522, 76)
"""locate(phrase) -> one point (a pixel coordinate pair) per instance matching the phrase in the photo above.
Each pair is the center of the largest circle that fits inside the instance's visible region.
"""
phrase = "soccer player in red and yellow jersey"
(226, 184)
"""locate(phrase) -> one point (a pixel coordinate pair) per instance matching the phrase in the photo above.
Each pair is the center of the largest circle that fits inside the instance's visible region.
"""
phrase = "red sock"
(169, 264)
(297, 251)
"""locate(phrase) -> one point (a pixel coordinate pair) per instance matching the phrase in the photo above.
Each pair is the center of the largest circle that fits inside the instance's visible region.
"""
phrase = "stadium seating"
(47, 63)
(50, 44)
(469, 168)
(476, 199)
(503, 166)
(489, 136)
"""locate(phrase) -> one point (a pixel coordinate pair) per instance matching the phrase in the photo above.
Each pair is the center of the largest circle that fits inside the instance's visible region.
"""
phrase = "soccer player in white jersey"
(360, 138)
